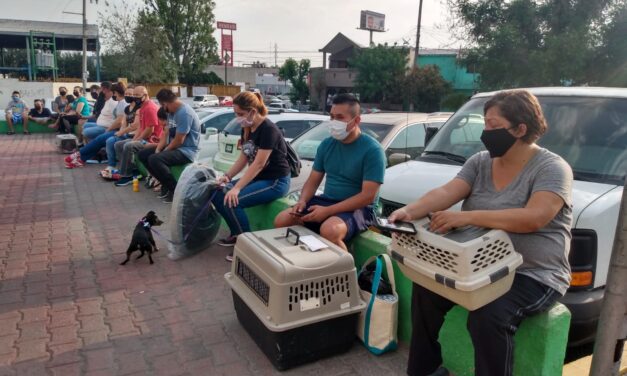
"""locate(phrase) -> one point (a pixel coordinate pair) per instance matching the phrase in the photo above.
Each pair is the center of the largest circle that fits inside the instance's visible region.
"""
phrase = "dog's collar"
(144, 223)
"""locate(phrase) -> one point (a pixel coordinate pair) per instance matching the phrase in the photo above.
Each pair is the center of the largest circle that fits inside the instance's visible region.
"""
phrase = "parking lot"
(68, 308)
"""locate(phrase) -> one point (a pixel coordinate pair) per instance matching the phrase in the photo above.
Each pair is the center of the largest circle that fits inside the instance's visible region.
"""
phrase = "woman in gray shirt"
(515, 186)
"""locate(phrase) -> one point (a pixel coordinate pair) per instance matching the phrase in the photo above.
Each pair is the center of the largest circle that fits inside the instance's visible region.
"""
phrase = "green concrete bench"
(540, 341)
(32, 127)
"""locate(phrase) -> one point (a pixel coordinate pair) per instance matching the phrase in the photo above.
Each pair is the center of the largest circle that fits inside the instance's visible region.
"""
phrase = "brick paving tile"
(73, 369)
(67, 307)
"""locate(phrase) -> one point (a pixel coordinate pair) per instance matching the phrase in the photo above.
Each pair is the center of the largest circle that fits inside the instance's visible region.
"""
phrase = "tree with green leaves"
(131, 48)
(519, 43)
(296, 73)
(379, 71)
(186, 28)
(424, 88)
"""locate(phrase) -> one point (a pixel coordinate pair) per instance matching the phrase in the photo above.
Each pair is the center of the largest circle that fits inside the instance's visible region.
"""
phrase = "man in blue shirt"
(354, 165)
(177, 146)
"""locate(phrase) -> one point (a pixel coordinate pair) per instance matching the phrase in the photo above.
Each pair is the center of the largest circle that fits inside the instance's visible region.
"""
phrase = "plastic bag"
(194, 223)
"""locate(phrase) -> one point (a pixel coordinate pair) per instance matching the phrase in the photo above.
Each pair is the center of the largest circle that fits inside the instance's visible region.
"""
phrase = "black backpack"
(292, 160)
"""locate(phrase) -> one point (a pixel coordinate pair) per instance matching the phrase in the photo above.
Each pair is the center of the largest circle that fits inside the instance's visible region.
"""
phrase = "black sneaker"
(229, 257)
(124, 181)
(229, 241)
(164, 193)
(168, 199)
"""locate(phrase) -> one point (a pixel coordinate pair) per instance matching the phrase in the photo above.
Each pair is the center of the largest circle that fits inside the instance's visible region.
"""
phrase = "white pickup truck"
(588, 128)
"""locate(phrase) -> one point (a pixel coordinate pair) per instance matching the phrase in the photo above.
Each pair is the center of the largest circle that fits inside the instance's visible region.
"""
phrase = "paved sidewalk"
(67, 307)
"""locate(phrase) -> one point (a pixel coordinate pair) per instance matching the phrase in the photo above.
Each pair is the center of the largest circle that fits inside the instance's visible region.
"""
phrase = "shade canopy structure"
(42, 40)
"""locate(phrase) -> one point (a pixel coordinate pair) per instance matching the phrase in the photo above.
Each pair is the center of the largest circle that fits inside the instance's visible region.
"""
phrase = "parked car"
(225, 100)
(229, 142)
(403, 136)
(212, 121)
(207, 100)
(588, 128)
(280, 106)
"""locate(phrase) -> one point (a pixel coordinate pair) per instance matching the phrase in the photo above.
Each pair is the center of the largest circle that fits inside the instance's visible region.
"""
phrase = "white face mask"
(244, 121)
(337, 128)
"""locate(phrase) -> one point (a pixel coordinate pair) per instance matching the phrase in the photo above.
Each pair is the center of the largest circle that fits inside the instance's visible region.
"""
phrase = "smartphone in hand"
(398, 226)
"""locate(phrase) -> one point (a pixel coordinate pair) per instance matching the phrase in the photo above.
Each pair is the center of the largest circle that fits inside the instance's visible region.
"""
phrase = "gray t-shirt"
(544, 252)
(186, 121)
(119, 109)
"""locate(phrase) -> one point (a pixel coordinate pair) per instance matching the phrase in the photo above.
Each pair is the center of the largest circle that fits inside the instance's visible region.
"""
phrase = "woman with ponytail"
(268, 174)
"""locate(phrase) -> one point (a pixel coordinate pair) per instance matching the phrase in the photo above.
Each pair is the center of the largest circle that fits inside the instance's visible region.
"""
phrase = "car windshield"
(307, 144)
(589, 133)
(198, 98)
(290, 128)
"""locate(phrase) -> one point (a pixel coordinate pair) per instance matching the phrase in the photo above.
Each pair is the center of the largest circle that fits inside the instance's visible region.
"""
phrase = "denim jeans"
(127, 149)
(91, 149)
(111, 155)
(92, 130)
(255, 193)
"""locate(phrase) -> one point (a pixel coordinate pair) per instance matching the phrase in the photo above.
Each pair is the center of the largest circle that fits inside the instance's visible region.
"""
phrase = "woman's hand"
(445, 221)
(317, 214)
(230, 199)
(223, 179)
(399, 215)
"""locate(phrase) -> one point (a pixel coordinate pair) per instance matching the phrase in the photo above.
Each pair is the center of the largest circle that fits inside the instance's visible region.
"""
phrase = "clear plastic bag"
(194, 222)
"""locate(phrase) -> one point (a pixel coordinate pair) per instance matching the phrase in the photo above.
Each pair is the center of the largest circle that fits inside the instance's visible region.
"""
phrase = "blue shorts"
(16, 118)
(356, 221)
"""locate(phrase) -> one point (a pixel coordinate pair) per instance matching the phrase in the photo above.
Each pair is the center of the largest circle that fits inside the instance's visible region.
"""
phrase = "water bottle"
(135, 184)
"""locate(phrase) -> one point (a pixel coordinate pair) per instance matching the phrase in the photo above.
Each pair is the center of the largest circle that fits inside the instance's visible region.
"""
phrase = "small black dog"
(142, 237)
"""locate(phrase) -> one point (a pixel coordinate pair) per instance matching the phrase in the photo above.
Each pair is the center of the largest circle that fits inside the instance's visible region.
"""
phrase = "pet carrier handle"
(287, 235)
(388, 265)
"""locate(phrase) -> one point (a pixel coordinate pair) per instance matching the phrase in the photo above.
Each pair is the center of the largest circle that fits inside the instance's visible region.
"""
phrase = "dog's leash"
(194, 223)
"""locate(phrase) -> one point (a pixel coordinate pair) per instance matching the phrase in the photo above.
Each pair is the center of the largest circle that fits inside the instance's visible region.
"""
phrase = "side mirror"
(397, 158)
(211, 131)
(430, 132)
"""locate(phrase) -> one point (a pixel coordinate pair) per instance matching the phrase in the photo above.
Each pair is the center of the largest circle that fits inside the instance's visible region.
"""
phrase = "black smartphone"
(398, 226)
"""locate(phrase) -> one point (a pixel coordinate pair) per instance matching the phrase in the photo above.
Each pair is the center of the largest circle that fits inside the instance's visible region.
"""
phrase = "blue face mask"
(16, 98)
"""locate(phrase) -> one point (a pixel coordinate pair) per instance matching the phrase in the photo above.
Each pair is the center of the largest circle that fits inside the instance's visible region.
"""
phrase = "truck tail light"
(583, 259)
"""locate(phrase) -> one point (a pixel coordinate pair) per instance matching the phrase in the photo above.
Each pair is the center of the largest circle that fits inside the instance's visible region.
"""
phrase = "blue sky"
(298, 27)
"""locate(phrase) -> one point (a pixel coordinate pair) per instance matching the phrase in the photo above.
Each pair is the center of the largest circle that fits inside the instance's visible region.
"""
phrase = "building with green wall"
(447, 60)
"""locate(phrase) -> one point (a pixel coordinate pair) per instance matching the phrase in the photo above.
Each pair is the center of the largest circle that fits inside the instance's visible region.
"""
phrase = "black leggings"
(492, 327)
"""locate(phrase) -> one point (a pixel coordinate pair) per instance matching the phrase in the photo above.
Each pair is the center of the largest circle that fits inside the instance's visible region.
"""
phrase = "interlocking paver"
(67, 307)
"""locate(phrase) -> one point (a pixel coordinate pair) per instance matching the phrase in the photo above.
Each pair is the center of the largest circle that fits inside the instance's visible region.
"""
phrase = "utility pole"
(276, 54)
(418, 33)
(84, 64)
(612, 327)
(226, 63)
(84, 46)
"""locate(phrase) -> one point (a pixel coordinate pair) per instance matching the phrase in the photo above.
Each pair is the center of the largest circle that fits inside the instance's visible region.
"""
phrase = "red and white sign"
(227, 25)
(227, 42)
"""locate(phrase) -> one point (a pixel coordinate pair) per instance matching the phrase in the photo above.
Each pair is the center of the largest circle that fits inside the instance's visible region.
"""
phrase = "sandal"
(26, 132)
(107, 174)
(157, 187)
(10, 133)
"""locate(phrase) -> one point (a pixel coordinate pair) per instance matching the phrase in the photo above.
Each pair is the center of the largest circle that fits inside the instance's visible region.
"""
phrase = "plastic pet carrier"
(67, 143)
(297, 304)
(470, 266)
(194, 223)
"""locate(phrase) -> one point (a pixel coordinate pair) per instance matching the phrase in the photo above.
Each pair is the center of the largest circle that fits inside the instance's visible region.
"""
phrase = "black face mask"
(115, 97)
(75, 93)
(138, 101)
(94, 95)
(63, 93)
(497, 141)
(129, 99)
